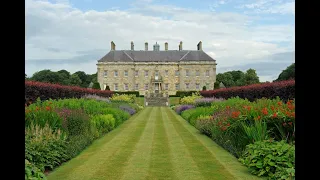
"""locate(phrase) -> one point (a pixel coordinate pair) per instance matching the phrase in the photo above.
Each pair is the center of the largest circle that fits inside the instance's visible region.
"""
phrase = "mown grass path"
(156, 143)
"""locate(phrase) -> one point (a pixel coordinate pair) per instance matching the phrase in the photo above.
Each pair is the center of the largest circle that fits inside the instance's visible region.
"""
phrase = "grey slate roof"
(148, 56)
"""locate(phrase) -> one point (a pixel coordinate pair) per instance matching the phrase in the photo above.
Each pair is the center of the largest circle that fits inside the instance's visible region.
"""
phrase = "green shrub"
(190, 100)
(77, 123)
(103, 123)
(32, 172)
(128, 98)
(119, 115)
(273, 159)
(42, 116)
(45, 148)
(136, 93)
(78, 143)
(185, 93)
(96, 85)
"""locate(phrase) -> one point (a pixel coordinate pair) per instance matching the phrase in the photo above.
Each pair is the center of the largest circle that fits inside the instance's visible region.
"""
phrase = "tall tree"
(84, 78)
(65, 76)
(250, 77)
(75, 80)
(47, 76)
(288, 73)
(226, 78)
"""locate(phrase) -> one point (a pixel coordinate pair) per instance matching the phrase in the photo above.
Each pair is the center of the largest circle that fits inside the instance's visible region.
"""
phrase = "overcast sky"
(239, 34)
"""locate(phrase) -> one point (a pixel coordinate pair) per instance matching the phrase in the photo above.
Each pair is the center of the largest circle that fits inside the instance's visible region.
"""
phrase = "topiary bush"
(273, 159)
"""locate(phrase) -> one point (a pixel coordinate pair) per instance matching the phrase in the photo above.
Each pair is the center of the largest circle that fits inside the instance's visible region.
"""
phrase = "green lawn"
(156, 143)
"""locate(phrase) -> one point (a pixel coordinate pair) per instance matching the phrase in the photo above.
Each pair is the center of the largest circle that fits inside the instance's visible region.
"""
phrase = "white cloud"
(60, 31)
(270, 6)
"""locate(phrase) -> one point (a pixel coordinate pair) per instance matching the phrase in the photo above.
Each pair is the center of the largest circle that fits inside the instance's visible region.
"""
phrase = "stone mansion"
(156, 71)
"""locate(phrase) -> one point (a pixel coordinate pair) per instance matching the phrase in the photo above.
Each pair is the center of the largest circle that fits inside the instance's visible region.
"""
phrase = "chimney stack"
(113, 46)
(199, 46)
(146, 46)
(132, 46)
(166, 46)
(180, 46)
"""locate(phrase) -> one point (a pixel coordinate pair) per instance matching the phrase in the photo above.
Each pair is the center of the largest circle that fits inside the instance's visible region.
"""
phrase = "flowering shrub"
(283, 89)
(46, 91)
(190, 100)
(128, 98)
(127, 109)
(179, 109)
(103, 123)
(206, 101)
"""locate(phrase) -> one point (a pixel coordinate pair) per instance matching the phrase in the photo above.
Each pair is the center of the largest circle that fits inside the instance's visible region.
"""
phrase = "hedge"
(45, 91)
(183, 93)
(283, 89)
(128, 92)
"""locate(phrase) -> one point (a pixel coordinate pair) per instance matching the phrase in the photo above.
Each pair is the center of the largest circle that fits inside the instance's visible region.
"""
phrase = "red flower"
(280, 103)
(228, 124)
(274, 115)
(48, 108)
(235, 114)
(264, 111)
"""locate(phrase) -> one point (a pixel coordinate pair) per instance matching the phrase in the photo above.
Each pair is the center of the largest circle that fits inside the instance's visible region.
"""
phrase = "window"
(105, 73)
(146, 86)
(125, 73)
(126, 87)
(116, 87)
(166, 72)
(187, 73)
(146, 73)
(207, 72)
(137, 87)
(115, 73)
(177, 73)
(187, 85)
(166, 86)
(198, 73)
(177, 86)
(197, 86)
(136, 73)
(157, 73)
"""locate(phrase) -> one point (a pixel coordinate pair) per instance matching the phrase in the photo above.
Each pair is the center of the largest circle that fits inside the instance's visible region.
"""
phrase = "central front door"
(156, 87)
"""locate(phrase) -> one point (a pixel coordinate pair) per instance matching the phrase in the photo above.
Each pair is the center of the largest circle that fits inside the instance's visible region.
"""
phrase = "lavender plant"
(128, 109)
(202, 102)
(181, 108)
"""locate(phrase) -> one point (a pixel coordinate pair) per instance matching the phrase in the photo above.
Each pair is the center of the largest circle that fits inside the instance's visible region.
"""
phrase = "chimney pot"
(199, 46)
(146, 46)
(166, 46)
(132, 46)
(113, 46)
(180, 46)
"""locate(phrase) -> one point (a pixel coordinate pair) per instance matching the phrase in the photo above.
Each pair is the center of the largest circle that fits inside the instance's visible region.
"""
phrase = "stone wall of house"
(171, 79)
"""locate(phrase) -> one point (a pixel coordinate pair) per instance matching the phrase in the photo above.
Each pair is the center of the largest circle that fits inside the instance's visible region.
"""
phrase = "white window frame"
(187, 73)
(187, 85)
(146, 73)
(207, 73)
(126, 87)
(197, 86)
(166, 72)
(146, 86)
(177, 86)
(177, 73)
(197, 73)
(124, 73)
(115, 73)
(105, 73)
(136, 87)
(136, 73)
(166, 86)
(115, 87)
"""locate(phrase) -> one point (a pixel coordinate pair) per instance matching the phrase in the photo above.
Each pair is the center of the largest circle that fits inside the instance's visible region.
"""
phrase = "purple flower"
(181, 108)
(206, 101)
(127, 109)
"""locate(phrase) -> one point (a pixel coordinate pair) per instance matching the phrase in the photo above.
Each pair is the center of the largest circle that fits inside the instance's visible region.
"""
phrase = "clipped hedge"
(129, 92)
(183, 93)
(46, 91)
(284, 90)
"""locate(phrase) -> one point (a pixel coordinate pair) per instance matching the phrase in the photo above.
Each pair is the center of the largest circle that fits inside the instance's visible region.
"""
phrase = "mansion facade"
(156, 71)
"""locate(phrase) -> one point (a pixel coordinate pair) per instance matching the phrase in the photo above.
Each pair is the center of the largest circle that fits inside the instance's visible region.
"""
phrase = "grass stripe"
(230, 162)
(207, 164)
(161, 165)
(184, 165)
(100, 151)
(138, 165)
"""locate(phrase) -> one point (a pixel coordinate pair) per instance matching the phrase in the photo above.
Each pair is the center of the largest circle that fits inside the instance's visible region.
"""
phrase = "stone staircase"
(156, 100)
